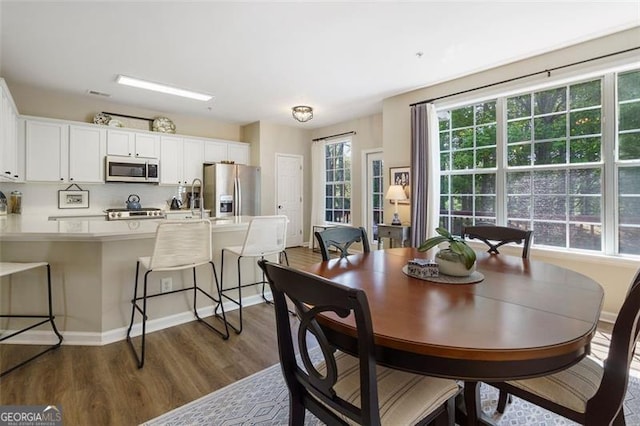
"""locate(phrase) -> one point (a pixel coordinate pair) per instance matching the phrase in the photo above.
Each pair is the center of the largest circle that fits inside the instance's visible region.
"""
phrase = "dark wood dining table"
(524, 319)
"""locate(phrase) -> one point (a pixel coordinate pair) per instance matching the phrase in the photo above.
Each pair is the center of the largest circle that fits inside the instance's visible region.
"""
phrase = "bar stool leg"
(49, 318)
(238, 302)
(134, 302)
(225, 334)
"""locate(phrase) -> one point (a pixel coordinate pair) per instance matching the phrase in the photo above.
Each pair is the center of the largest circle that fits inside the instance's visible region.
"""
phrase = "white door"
(374, 194)
(289, 195)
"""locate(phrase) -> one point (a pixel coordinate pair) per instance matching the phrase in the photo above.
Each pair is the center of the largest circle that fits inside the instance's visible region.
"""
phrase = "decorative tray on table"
(475, 277)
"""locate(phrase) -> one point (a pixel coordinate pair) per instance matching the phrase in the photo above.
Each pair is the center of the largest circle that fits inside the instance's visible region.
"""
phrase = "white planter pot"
(449, 266)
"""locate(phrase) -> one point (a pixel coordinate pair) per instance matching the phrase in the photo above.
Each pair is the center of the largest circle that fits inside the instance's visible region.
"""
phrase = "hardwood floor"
(102, 385)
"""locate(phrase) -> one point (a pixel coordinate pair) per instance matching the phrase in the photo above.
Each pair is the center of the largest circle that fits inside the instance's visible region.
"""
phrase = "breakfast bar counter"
(92, 274)
(39, 228)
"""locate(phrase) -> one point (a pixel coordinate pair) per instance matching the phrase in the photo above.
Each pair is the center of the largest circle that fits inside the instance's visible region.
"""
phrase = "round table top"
(523, 310)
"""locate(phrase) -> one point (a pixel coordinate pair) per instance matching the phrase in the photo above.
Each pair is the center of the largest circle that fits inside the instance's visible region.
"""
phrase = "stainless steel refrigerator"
(231, 189)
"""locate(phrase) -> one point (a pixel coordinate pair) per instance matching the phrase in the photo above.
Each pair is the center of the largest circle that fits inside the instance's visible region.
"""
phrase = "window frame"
(609, 164)
(348, 212)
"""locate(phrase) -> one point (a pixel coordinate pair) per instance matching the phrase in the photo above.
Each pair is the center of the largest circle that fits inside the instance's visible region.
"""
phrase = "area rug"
(262, 399)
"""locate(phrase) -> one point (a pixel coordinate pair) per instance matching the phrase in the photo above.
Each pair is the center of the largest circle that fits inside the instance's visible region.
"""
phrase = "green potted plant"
(457, 260)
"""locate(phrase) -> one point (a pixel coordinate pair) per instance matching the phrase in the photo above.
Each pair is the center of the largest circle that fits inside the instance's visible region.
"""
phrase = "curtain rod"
(334, 136)
(547, 71)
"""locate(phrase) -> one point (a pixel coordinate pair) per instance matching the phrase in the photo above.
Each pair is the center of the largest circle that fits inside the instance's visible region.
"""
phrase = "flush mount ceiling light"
(302, 113)
(157, 87)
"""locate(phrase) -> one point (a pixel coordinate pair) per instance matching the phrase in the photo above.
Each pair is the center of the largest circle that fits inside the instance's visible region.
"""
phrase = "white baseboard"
(608, 317)
(80, 338)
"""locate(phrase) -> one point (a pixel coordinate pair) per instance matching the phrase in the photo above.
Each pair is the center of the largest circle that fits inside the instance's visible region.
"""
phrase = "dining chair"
(345, 389)
(341, 238)
(8, 269)
(179, 245)
(500, 235)
(265, 236)
(588, 393)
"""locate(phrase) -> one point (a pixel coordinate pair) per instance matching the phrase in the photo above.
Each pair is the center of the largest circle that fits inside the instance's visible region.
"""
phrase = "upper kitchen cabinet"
(132, 144)
(171, 148)
(216, 151)
(180, 160)
(47, 151)
(59, 152)
(87, 149)
(8, 136)
(239, 153)
(193, 157)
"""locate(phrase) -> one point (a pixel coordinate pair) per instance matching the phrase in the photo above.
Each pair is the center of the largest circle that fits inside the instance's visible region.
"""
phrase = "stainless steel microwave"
(131, 169)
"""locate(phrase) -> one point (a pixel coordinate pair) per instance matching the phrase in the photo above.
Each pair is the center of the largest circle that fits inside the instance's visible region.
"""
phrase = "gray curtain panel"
(420, 173)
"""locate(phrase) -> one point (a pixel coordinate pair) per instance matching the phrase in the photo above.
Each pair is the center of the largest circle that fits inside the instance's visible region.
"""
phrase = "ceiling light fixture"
(302, 113)
(157, 87)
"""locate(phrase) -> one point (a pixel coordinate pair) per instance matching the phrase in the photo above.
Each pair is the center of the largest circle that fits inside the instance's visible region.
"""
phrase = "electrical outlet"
(166, 284)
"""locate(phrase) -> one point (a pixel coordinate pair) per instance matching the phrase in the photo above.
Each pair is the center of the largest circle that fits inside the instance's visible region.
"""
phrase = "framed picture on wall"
(401, 176)
(73, 198)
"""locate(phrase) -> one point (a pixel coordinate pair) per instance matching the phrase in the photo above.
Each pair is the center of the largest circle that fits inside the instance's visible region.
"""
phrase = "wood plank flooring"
(103, 386)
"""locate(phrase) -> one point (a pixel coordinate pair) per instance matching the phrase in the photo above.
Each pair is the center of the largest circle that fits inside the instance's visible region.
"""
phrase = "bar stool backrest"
(266, 235)
(181, 244)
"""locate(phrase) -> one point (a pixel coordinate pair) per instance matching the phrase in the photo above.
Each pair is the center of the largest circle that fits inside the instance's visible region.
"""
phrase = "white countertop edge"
(39, 231)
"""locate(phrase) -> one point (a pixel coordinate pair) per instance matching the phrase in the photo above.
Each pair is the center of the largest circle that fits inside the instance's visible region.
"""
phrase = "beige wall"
(614, 275)
(267, 140)
(46, 103)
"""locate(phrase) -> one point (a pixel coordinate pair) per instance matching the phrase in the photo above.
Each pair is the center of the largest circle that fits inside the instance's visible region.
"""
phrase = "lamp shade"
(396, 193)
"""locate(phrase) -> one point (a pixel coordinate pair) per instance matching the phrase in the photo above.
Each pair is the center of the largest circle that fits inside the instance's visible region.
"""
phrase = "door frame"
(365, 192)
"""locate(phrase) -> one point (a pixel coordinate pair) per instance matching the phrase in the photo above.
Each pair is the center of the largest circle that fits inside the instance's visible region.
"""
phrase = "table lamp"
(396, 193)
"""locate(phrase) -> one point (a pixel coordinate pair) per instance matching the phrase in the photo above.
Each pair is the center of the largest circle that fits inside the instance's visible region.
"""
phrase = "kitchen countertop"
(39, 228)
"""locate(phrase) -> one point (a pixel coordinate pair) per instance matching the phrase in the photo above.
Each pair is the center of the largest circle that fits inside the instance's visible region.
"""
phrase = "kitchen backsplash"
(42, 198)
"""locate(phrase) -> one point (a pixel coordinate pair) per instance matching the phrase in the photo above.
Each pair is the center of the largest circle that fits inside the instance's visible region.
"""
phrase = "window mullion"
(501, 162)
(610, 172)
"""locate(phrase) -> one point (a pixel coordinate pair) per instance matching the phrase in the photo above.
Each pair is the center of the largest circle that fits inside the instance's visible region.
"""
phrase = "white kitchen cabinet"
(87, 149)
(8, 136)
(192, 159)
(147, 145)
(171, 148)
(238, 153)
(46, 151)
(59, 152)
(132, 144)
(180, 160)
(216, 151)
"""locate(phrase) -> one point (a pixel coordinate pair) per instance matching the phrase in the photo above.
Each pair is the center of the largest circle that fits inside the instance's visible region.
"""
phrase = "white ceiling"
(260, 58)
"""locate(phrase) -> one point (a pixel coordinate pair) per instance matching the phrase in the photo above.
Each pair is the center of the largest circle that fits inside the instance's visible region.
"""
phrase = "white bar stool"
(179, 245)
(10, 268)
(265, 236)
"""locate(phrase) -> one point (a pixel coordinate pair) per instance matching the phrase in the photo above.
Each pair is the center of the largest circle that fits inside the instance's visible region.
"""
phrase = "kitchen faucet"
(201, 198)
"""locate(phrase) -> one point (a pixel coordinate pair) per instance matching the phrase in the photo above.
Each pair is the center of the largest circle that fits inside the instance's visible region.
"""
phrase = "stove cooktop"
(144, 213)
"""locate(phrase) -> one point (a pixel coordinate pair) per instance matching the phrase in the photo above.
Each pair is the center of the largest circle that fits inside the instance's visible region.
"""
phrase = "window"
(468, 165)
(628, 162)
(535, 161)
(338, 181)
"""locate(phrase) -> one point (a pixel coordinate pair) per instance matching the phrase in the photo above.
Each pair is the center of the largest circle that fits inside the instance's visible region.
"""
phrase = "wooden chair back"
(606, 404)
(341, 238)
(496, 236)
(311, 296)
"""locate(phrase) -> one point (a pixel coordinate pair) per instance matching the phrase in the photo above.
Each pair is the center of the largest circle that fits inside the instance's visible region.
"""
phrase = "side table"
(399, 233)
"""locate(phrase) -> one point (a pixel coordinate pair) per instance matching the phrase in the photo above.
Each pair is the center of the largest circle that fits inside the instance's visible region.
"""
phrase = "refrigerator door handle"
(238, 196)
